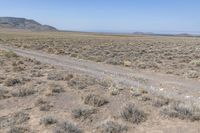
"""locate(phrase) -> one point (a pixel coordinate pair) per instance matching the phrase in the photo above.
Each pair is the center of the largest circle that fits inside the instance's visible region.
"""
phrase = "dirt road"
(168, 85)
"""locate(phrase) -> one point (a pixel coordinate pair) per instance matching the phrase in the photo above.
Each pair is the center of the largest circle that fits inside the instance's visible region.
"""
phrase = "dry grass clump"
(57, 76)
(3, 93)
(45, 107)
(114, 61)
(159, 101)
(48, 120)
(14, 119)
(195, 63)
(22, 92)
(11, 82)
(105, 83)
(18, 62)
(19, 129)
(2, 78)
(182, 111)
(9, 54)
(146, 98)
(43, 104)
(19, 65)
(114, 91)
(83, 112)
(55, 88)
(21, 117)
(95, 100)
(77, 84)
(138, 92)
(127, 63)
(132, 114)
(81, 82)
(18, 68)
(192, 74)
(37, 74)
(40, 101)
(112, 127)
(67, 127)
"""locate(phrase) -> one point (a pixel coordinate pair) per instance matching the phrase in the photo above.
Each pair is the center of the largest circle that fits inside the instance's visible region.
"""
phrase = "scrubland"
(164, 54)
(38, 97)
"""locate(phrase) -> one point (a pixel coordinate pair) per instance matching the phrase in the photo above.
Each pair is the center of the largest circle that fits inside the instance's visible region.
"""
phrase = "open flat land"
(68, 82)
(171, 55)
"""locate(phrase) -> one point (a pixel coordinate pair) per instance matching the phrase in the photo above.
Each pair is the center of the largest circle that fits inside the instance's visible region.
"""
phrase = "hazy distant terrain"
(22, 23)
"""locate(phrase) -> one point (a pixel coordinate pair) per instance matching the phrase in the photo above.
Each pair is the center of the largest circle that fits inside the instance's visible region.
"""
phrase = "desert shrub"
(36, 62)
(43, 104)
(69, 77)
(132, 114)
(83, 112)
(14, 119)
(55, 88)
(114, 61)
(112, 127)
(81, 83)
(95, 100)
(67, 127)
(40, 101)
(3, 93)
(77, 84)
(37, 74)
(17, 63)
(9, 54)
(48, 120)
(182, 111)
(18, 129)
(105, 83)
(55, 76)
(60, 51)
(192, 74)
(159, 101)
(114, 91)
(127, 63)
(2, 78)
(137, 92)
(21, 117)
(22, 92)
(45, 107)
(142, 65)
(146, 98)
(50, 50)
(73, 55)
(12, 82)
(37, 67)
(195, 63)
(1, 61)
(18, 68)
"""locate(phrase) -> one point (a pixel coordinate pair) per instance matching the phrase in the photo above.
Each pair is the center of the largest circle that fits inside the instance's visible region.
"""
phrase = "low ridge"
(23, 23)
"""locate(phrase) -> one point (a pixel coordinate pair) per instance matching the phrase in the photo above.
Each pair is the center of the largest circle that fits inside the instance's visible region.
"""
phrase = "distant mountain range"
(23, 23)
(159, 34)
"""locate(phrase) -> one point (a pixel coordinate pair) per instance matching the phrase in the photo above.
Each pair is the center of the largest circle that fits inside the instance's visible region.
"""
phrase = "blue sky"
(161, 16)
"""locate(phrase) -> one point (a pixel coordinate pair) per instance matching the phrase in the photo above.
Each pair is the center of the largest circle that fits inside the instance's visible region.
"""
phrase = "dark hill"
(22, 23)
